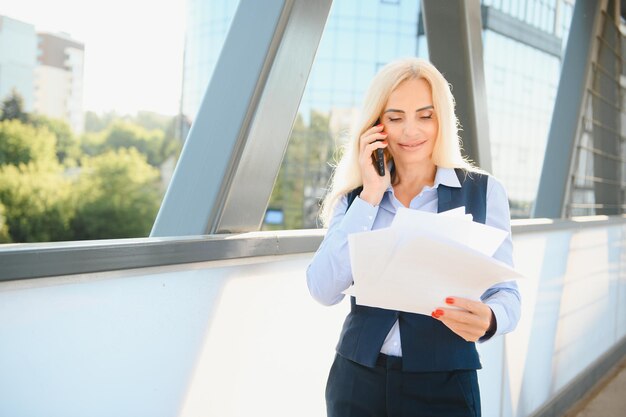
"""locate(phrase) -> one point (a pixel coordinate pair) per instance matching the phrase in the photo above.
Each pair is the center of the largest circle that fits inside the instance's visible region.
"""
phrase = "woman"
(393, 363)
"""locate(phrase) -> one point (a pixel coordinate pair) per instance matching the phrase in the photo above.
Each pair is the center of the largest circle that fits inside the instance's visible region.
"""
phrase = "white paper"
(422, 259)
(459, 211)
(453, 225)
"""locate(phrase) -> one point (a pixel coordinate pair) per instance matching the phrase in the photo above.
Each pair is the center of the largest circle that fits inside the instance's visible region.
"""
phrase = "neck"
(415, 177)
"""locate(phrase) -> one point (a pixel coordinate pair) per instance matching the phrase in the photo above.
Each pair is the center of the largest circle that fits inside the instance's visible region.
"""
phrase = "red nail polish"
(449, 300)
(439, 312)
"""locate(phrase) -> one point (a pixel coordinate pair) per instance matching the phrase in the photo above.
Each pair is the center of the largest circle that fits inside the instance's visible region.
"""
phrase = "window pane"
(359, 35)
(104, 86)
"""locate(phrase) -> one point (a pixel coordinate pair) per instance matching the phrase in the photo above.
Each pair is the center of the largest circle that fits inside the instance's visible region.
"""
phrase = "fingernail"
(449, 300)
(439, 312)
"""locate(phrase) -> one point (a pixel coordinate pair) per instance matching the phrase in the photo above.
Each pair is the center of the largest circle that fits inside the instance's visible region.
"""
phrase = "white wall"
(241, 338)
(59, 91)
(52, 88)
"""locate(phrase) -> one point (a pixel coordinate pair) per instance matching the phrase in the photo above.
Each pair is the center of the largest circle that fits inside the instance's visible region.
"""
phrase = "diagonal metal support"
(230, 160)
(454, 35)
(568, 109)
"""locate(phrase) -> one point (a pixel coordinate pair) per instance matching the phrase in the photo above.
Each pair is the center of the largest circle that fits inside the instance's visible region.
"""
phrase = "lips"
(413, 145)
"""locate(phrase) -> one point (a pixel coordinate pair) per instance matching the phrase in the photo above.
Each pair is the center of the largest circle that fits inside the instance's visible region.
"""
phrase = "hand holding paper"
(423, 258)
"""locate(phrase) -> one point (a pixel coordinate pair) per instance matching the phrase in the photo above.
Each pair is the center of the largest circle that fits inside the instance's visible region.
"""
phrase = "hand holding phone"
(372, 163)
(380, 156)
(380, 162)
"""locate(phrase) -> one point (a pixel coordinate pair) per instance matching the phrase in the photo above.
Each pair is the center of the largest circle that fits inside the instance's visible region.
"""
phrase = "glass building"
(523, 43)
(18, 59)
(207, 26)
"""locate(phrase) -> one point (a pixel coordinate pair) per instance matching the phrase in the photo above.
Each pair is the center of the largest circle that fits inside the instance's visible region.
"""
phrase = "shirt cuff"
(501, 319)
(359, 217)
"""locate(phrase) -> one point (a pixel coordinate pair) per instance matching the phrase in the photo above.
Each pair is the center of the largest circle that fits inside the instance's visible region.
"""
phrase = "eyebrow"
(402, 111)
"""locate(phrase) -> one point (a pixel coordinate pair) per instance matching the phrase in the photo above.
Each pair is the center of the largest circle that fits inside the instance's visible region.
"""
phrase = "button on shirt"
(330, 273)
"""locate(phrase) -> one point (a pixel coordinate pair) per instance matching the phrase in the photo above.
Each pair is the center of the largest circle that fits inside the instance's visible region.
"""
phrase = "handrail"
(38, 260)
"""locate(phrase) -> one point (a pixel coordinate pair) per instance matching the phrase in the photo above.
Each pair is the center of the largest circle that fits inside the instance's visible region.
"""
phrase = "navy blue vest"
(427, 344)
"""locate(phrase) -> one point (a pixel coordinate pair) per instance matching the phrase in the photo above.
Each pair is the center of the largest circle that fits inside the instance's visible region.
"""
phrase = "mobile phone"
(379, 159)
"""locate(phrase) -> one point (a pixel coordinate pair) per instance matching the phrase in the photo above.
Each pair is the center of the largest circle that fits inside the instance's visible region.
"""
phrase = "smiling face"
(411, 123)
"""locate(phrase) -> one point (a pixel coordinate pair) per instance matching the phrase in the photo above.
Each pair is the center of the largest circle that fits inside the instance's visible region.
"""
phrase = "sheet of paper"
(413, 269)
(459, 228)
(377, 246)
(459, 211)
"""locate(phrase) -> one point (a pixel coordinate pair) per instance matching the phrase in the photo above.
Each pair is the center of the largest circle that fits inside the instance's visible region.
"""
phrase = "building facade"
(59, 79)
(18, 58)
(523, 44)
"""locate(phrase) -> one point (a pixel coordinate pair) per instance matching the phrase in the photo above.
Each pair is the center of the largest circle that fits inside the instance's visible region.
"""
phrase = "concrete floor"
(608, 400)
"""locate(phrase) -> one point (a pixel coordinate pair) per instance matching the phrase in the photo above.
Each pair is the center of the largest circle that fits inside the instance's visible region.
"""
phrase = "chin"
(414, 159)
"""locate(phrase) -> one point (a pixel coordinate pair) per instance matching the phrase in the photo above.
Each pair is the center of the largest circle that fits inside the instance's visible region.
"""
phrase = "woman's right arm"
(329, 273)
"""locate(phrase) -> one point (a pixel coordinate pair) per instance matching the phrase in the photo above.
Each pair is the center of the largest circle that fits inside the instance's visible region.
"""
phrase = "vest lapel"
(444, 194)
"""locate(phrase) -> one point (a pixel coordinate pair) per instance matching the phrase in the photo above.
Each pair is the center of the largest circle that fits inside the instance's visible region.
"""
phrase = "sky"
(133, 48)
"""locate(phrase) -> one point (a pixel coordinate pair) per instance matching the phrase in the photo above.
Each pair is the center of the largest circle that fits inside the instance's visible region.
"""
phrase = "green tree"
(67, 148)
(150, 133)
(146, 119)
(21, 143)
(304, 172)
(129, 135)
(288, 189)
(4, 228)
(119, 196)
(92, 143)
(13, 107)
(37, 202)
(97, 123)
(150, 120)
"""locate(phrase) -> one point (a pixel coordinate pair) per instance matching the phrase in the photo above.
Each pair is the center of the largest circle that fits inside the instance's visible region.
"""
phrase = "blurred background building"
(523, 49)
(45, 69)
(18, 58)
(59, 79)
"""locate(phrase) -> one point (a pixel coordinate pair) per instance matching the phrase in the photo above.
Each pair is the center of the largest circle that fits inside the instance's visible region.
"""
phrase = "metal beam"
(231, 158)
(568, 107)
(514, 28)
(453, 32)
(517, 29)
(606, 109)
(40, 260)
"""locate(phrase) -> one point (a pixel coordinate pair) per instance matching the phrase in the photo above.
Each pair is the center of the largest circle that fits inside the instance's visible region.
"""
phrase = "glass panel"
(521, 87)
(358, 38)
(108, 97)
(598, 185)
(207, 26)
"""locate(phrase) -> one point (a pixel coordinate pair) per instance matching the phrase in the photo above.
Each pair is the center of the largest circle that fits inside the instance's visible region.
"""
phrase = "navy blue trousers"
(354, 390)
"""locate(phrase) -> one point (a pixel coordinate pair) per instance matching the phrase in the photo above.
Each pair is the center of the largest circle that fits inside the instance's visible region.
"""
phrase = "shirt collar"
(444, 176)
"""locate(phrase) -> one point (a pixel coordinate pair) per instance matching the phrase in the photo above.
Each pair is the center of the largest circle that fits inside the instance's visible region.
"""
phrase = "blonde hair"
(447, 149)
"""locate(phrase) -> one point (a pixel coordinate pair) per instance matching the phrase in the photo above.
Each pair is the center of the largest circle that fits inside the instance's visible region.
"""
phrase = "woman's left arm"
(499, 309)
(504, 298)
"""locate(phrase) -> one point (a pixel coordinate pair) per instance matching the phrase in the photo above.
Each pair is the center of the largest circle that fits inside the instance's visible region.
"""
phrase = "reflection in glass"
(360, 37)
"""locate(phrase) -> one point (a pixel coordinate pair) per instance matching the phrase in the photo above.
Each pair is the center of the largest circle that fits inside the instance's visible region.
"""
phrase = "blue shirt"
(330, 272)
